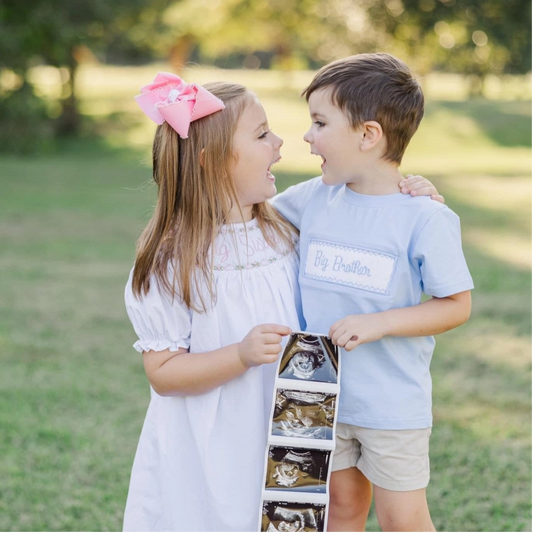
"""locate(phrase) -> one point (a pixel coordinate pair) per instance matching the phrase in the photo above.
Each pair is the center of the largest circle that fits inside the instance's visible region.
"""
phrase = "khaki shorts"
(391, 459)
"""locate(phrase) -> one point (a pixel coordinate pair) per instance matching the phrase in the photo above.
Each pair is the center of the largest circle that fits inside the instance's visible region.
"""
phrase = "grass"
(73, 392)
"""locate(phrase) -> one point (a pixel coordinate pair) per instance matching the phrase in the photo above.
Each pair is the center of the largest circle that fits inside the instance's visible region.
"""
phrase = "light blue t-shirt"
(364, 254)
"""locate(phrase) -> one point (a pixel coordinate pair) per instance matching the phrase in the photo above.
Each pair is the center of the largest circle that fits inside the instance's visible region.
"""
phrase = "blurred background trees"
(471, 37)
(62, 34)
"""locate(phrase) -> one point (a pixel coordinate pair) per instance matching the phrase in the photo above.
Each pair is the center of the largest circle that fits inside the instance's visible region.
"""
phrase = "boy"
(367, 254)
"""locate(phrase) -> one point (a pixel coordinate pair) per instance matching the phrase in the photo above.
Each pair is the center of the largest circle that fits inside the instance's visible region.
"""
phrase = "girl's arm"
(184, 373)
(428, 318)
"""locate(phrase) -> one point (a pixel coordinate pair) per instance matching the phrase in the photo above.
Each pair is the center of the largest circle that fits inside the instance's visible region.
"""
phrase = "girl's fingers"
(425, 190)
(271, 338)
(410, 180)
(275, 328)
(438, 198)
(270, 358)
(272, 348)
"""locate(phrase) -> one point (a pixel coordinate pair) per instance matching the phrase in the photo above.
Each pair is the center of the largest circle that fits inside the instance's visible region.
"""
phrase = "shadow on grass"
(91, 141)
(506, 123)
(89, 146)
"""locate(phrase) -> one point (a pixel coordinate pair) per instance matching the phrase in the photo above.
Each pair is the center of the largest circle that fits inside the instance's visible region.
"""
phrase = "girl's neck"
(244, 214)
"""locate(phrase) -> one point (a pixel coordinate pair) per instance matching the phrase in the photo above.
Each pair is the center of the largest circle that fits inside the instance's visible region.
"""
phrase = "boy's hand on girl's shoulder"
(420, 186)
(353, 330)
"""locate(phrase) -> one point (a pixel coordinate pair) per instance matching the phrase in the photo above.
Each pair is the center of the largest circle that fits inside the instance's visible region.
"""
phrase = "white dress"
(200, 459)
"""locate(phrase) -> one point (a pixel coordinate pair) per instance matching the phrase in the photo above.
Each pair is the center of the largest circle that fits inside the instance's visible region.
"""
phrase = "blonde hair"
(194, 201)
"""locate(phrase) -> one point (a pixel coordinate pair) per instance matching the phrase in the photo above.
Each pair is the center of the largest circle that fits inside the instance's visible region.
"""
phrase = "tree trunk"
(180, 52)
(70, 121)
(476, 85)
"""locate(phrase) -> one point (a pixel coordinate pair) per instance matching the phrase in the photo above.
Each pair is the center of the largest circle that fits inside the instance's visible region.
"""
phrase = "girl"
(213, 291)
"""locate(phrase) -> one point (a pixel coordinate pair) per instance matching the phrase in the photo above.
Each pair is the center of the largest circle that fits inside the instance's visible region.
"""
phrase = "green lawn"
(73, 392)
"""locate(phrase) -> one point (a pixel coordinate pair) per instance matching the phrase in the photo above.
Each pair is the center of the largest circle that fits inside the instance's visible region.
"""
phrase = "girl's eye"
(264, 134)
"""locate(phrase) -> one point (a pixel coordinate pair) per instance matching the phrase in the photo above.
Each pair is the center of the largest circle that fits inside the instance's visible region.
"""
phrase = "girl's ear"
(202, 157)
(372, 134)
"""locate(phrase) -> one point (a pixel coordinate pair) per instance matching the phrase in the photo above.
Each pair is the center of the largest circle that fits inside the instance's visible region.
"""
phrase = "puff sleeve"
(159, 323)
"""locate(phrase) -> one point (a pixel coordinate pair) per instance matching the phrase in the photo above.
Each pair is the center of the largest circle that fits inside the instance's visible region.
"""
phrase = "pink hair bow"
(169, 99)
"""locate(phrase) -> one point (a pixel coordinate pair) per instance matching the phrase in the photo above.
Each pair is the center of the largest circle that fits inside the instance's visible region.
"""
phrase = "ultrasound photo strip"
(293, 516)
(297, 469)
(309, 358)
(302, 414)
(302, 436)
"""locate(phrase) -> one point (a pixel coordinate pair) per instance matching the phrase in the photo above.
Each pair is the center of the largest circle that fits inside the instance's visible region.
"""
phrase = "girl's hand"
(353, 330)
(420, 186)
(262, 345)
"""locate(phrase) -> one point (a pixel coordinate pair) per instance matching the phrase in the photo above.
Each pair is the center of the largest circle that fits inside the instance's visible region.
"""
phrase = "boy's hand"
(262, 345)
(353, 330)
(420, 186)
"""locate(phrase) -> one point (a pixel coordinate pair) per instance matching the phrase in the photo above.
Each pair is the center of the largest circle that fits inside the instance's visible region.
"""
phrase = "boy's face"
(332, 137)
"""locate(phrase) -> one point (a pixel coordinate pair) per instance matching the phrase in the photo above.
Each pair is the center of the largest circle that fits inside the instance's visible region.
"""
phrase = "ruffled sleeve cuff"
(159, 346)
(159, 322)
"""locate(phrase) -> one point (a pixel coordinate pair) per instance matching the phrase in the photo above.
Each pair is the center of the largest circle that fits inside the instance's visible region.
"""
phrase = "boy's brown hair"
(376, 87)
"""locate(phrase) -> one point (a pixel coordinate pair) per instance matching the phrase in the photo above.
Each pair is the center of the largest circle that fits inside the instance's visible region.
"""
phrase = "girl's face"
(255, 149)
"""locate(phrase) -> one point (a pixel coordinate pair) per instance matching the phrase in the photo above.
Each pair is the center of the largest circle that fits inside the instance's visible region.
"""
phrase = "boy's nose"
(307, 136)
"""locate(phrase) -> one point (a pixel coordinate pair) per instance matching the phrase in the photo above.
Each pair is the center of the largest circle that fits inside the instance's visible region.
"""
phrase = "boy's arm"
(428, 318)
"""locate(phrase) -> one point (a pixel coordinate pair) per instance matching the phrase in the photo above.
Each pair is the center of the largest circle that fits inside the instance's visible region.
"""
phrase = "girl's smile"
(256, 149)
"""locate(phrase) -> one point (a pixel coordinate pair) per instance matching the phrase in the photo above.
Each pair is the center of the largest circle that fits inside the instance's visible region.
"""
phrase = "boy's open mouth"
(321, 157)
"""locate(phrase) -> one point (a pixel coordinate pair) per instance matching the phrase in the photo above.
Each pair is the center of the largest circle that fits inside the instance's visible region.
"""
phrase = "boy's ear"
(372, 135)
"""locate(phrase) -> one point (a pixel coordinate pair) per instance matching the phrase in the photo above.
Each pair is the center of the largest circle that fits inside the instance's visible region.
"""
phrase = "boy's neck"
(381, 178)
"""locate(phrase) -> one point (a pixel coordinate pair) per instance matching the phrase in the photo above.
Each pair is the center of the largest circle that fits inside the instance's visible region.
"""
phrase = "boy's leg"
(396, 462)
(350, 499)
(349, 489)
(402, 511)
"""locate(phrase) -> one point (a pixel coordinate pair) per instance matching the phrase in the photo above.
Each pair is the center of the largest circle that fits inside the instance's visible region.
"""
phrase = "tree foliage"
(474, 37)
(54, 32)
(296, 32)
(466, 36)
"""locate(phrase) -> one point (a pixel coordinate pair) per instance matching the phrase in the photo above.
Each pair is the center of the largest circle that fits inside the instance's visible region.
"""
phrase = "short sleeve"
(159, 322)
(292, 203)
(438, 253)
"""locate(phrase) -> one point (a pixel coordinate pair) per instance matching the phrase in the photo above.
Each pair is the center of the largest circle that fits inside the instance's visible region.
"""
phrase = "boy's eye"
(318, 123)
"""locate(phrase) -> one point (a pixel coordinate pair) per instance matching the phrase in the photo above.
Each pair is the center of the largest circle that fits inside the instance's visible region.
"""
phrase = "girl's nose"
(279, 141)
